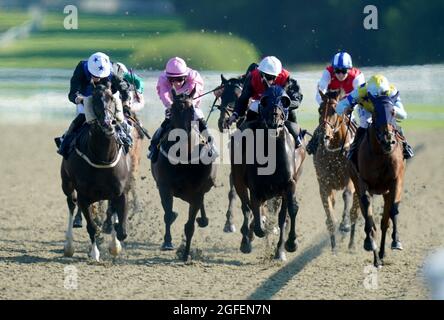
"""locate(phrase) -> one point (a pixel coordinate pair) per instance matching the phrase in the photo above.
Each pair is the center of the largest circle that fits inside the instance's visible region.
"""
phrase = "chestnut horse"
(380, 171)
(332, 167)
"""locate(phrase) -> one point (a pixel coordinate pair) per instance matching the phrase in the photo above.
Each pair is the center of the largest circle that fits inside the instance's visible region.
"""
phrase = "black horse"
(232, 89)
(178, 174)
(254, 188)
(98, 170)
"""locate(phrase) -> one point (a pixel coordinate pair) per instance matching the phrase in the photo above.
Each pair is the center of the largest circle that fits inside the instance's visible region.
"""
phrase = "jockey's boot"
(294, 130)
(64, 141)
(407, 150)
(352, 154)
(203, 128)
(155, 141)
(312, 145)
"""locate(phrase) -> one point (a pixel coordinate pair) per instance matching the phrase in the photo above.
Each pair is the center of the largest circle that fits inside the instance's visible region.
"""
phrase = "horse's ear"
(193, 92)
(108, 85)
(323, 95)
(224, 80)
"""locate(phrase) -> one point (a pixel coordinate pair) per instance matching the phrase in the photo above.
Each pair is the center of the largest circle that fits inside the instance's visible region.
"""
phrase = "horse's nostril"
(113, 122)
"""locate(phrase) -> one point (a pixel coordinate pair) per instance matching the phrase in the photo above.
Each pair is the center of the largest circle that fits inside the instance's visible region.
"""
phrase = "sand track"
(33, 217)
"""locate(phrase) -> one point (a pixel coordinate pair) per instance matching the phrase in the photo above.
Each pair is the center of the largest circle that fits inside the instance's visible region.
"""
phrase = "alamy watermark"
(248, 146)
(71, 21)
(371, 20)
(70, 281)
(371, 278)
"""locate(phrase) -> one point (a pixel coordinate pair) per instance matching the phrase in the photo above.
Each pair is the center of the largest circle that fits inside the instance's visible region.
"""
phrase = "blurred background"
(38, 54)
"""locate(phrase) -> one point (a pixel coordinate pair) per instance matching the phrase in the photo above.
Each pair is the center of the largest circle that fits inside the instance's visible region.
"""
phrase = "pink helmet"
(176, 67)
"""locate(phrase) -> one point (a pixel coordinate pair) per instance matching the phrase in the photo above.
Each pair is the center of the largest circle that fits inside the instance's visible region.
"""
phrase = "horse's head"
(274, 108)
(104, 107)
(330, 123)
(231, 91)
(182, 110)
(382, 122)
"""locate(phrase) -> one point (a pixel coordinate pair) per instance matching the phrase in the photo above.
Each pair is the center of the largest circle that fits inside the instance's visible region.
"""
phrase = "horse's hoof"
(229, 228)
(68, 250)
(291, 246)
(280, 256)
(397, 245)
(77, 222)
(345, 227)
(115, 248)
(245, 247)
(369, 244)
(378, 264)
(167, 246)
(202, 222)
(352, 247)
(259, 232)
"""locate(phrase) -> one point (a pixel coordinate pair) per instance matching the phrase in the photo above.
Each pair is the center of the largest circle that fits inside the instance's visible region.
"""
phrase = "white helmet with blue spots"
(342, 60)
(99, 65)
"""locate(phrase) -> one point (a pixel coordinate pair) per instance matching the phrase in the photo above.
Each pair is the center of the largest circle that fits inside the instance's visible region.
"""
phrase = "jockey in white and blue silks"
(89, 73)
(377, 85)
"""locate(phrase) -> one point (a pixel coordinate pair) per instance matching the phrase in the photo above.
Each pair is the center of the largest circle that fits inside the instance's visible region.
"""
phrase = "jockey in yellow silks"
(376, 86)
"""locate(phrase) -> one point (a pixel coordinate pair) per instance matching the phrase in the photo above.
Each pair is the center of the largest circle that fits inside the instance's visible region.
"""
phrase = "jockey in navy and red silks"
(89, 73)
(269, 72)
(340, 75)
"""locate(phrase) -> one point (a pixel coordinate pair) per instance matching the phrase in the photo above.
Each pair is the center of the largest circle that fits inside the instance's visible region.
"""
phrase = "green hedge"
(204, 51)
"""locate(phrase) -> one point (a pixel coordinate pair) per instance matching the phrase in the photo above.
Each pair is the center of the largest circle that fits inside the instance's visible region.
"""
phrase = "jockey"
(89, 73)
(377, 85)
(136, 85)
(177, 75)
(269, 72)
(340, 75)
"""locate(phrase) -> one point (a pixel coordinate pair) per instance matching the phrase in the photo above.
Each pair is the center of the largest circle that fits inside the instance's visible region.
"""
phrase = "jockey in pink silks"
(177, 75)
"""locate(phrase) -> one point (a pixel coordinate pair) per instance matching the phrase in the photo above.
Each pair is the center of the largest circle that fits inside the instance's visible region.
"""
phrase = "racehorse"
(232, 89)
(331, 166)
(254, 188)
(188, 180)
(98, 170)
(380, 170)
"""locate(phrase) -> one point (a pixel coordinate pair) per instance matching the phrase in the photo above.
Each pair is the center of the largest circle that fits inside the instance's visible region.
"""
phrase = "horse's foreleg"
(121, 206)
(370, 227)
(256, 208)
(195, 205)
(68, 249)
(202, 221)
(347, 196)
(245, 229)
(280, 253)
(229, 225)
(91, 226)
(385, 222)
(169, 217)
(354, 214)
(394, 211)
(326, 197)
(293, 207)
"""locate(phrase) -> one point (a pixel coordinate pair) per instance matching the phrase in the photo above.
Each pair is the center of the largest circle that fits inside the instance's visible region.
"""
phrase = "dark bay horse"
(255, 188)
(232, 89)
(380, 171)
(98, 170)
(332, 167)
(188, 180)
